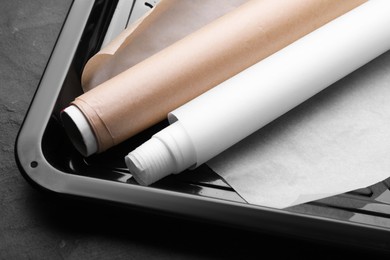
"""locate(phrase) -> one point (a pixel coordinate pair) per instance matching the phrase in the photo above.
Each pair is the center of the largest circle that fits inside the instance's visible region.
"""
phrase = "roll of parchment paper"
(143, 95)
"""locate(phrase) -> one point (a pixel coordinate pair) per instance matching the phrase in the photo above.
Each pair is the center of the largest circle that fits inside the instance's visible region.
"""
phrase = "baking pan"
(48, 160)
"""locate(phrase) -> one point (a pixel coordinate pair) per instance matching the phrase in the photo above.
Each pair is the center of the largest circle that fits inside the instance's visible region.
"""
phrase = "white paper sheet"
(335, 142)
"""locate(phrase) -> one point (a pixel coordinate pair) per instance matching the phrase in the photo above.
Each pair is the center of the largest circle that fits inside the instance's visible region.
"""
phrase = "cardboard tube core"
(79, 131)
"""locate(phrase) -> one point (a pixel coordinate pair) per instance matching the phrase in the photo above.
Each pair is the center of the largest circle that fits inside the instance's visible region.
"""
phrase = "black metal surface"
(94, 32)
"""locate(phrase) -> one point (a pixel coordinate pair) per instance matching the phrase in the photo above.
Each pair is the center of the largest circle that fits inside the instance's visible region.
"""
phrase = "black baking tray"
(48, 160)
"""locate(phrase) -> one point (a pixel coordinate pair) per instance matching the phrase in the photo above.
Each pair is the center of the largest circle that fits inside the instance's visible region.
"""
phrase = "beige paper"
(143, 94)
(168, 22)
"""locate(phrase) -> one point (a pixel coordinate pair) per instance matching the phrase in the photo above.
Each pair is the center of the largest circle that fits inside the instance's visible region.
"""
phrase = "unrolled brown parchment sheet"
(143, 94)
(168, 22)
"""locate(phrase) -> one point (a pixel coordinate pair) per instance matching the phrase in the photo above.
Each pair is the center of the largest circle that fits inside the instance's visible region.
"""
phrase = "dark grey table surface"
(34, 225)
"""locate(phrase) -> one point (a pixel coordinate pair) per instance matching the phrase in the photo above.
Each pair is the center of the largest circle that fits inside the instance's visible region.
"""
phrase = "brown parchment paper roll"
(143, 94)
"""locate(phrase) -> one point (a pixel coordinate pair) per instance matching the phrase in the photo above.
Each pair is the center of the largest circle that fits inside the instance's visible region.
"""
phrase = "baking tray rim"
(37, 170)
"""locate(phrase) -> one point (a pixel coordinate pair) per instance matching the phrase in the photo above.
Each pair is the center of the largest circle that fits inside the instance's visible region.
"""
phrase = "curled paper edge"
(105, 54)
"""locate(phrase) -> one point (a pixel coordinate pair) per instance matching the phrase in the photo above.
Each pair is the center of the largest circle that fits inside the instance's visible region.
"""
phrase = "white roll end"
(79, 130)
(150, 162)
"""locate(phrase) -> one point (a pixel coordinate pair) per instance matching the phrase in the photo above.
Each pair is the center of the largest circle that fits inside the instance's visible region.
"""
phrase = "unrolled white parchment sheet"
(335, 142)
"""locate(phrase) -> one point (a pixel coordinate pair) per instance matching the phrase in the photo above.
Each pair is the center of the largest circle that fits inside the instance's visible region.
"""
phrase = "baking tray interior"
(110, 165)
(368, 206)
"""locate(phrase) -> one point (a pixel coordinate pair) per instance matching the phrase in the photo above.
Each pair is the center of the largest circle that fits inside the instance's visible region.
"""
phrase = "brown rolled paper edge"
(81, 123)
